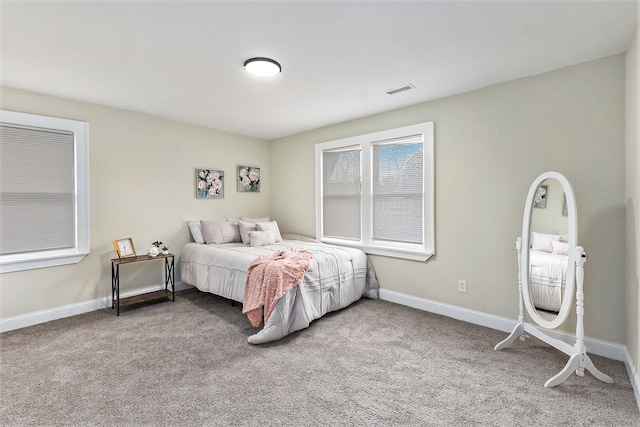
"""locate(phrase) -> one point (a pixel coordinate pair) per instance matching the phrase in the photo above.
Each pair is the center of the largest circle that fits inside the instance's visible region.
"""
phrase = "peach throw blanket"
(270, 277)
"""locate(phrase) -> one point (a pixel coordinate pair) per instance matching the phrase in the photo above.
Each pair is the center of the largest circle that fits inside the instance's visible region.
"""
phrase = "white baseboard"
(30, 319)
(634, 376)
(601, 348)
(594, 346)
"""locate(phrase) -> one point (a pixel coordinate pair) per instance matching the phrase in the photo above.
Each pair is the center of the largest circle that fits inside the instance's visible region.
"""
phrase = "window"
(44, 191)
(376, 192)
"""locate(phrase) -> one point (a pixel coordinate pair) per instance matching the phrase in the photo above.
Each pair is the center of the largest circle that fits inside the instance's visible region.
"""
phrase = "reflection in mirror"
(548, 249)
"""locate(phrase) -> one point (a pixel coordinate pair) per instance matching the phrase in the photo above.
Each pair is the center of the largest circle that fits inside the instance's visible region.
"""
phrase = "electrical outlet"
(462, 285)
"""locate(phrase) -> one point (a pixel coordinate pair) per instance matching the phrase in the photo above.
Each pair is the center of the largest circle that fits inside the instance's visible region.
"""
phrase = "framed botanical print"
(209, 184)
(540, 200)
(248, 179)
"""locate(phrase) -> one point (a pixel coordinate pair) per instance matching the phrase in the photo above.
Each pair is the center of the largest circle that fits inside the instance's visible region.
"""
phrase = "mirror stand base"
(518, 332)
(578, 362)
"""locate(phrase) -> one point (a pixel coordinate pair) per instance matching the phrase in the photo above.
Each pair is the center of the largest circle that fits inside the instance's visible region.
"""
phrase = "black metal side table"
(146, 297)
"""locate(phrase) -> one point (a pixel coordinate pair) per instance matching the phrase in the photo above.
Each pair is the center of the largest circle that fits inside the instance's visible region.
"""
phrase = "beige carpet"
(373, 364)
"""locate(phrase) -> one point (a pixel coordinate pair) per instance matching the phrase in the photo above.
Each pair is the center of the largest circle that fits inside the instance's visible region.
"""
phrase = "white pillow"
(196, 231)
(560, 248)
(270, 227)
(245, 229)
(220, 231)
(260, 238)
(542, 241)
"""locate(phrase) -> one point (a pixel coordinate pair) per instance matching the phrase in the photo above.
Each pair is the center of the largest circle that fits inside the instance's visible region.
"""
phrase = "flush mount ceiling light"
(262, 67)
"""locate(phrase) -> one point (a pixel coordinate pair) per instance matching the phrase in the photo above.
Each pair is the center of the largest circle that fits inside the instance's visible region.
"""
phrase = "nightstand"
(147, 297)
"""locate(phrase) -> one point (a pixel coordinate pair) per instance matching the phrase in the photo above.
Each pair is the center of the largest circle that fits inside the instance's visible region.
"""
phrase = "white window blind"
(341, 195)
(36, 190)
(397, 190)
(44, 191)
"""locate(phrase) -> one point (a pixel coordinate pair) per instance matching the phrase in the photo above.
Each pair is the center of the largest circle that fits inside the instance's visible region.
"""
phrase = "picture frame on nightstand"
(124, 248)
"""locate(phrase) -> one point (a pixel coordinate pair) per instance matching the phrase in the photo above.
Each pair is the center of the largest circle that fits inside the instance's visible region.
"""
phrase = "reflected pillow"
(271, 228)
(542, 241)
(260, 238)
(220, 231)
(560, 248)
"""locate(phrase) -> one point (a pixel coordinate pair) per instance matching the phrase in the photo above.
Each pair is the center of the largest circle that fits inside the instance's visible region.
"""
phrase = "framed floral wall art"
(248, 179)
(209, 184)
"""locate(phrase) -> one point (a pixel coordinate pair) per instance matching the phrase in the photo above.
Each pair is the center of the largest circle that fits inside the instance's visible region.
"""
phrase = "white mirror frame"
(567, 297)
(579, 359)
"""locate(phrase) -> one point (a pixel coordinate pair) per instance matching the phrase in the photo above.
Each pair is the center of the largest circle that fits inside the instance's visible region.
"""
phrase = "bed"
(219, 259)
(548, 270)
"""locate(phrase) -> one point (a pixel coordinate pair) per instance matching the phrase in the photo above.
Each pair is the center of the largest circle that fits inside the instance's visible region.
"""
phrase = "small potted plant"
(155, 249)
(165, 250)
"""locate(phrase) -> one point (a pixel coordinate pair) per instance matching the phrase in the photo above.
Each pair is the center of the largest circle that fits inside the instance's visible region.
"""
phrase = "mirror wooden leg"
(518, 332)
(588, 365)
(561, 376)
(578, 362)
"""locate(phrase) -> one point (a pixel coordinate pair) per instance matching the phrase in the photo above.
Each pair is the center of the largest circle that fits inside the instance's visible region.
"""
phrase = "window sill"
(11, 263)
(403, 253)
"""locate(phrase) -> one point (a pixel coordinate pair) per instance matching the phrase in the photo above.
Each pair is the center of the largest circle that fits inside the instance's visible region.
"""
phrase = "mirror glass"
(548, 243)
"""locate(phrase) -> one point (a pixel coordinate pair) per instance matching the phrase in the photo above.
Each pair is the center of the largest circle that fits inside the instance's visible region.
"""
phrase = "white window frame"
(56, 257)
(419, 252)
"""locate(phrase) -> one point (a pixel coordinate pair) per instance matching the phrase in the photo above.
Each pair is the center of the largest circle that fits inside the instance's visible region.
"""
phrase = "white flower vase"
(154, 251)
(165, 252)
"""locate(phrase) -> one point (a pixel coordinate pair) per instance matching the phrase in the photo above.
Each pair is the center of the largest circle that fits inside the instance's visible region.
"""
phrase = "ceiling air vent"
(400, 89)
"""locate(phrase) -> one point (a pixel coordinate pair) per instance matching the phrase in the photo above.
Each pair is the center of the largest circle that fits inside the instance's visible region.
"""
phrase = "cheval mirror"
(550, 268)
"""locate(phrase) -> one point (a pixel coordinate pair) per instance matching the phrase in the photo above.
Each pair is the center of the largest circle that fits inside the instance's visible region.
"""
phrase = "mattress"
(337, 277)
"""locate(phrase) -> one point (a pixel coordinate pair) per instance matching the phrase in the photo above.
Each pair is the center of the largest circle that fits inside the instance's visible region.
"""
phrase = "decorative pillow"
(560, 248)
(542, 241)
(196, 231)
(260, 238)
(220, 231)
(270, 227)
(245, 229)
(263, 219)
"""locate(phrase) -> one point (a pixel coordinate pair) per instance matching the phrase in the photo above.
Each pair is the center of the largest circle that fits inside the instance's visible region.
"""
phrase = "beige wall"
(490, 145)
(142, 171)
(632, 199)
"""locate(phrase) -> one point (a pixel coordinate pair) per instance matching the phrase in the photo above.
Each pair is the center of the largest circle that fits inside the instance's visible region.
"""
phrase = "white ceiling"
(183, 59)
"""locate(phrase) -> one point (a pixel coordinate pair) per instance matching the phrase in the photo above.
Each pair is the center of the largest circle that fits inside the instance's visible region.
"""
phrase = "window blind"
(341, 193)
(37, 189)
(397, 190)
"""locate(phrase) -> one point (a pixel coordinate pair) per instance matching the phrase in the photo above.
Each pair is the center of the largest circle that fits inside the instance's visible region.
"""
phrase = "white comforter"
(337, 277)
(547, 279)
